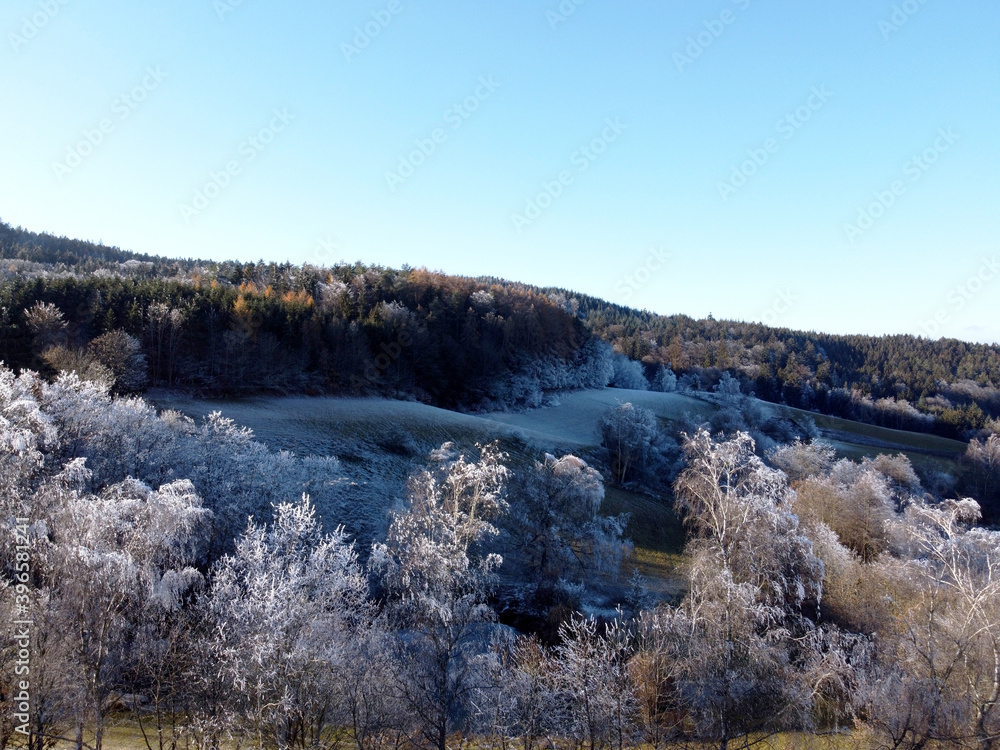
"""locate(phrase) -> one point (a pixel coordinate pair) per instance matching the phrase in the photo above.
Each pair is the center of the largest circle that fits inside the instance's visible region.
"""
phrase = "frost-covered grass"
(576, 419)
(333, 425)
(324, 425)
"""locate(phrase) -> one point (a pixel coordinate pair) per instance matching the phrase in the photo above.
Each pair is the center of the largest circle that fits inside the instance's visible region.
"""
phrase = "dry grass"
(125, 735)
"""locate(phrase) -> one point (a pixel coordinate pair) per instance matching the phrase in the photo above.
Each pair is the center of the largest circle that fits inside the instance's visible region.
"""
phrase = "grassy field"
(575, 421)
(918, 441)
(652, 525)
(658, 536)
(322, 425)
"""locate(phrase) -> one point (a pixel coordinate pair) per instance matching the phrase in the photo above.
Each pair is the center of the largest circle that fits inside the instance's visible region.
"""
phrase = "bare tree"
(436, 584)
(122, 355)
(751, 571)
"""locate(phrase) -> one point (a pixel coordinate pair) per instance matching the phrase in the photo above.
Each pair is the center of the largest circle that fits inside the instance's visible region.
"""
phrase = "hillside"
(230, 328)
(945, 386)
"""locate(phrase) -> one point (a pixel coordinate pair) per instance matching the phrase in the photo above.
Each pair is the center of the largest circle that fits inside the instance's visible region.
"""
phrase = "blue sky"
(817, 165)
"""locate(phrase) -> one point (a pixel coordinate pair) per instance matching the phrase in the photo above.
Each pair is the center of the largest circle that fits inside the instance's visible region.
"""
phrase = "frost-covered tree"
(581, 689)
(740, 515)
(555, 525)
(286, 607)
(801, 460)
(436, 577)
(26, 435)
(751, 571)
(739, 412)
(236, 475)
(375, 713)
(122, 355)
(630, 434)
(628, 374)
(939, 684)
(665, 381)
(115, 563)
(596, 365)
(47, 324)
(110, 556)
(523, 703)
(533, 381)
(728, 389)
(857, 501)
(592, 683)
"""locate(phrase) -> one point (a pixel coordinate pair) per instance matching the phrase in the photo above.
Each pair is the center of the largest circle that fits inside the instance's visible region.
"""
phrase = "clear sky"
(827, 165)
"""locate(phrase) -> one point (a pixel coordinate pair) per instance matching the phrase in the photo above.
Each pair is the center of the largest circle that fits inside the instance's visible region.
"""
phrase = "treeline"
(231, 327)
(905, 382)
(820, 596)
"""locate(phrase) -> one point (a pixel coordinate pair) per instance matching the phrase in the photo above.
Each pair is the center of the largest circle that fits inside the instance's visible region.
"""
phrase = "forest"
(477, 344)
(905, 382)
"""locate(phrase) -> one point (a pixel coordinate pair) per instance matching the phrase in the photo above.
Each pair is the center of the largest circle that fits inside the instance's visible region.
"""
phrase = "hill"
(227, 328)
(907, 382)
